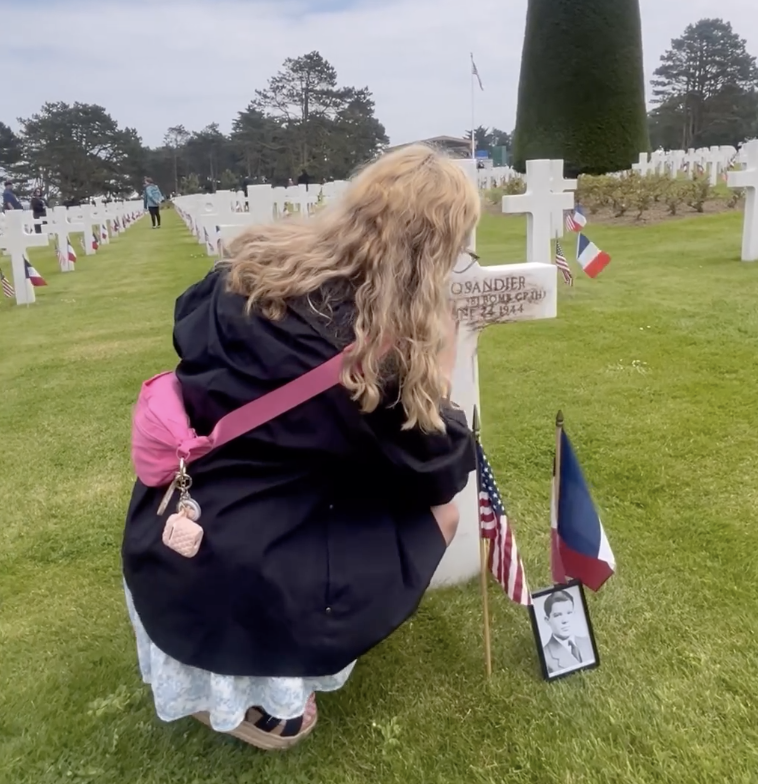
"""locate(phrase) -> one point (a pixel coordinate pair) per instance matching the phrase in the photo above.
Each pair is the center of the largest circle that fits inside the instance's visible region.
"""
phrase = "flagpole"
(483, 559)
(473, 112)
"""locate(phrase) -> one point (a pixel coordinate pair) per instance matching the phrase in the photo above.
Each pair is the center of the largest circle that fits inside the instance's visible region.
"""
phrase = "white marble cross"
(560, 185)
(482, 296)
(714, 160)
(58, 224)
(748, 179)
(643, 166)
(541, 203)
(15, 240)
(691, 161)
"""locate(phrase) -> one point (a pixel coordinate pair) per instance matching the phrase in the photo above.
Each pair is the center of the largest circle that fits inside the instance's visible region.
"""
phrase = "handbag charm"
(182, 534)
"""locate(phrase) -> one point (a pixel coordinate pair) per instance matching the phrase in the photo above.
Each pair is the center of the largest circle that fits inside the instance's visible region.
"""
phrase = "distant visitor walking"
(152, 200)
(39, 208)
(10, 202)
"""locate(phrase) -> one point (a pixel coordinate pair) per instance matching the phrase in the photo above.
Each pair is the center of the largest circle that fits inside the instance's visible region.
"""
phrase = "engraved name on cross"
(482, 296)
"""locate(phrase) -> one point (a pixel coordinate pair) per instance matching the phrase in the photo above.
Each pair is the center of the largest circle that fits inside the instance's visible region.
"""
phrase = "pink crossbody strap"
(273, 404)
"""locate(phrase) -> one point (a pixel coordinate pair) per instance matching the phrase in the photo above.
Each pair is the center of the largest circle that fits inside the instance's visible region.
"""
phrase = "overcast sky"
(160, 63)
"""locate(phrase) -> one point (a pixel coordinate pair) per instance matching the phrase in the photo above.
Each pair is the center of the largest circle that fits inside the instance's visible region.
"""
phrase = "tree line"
(301, 121)
(582, 97)
(705, 92)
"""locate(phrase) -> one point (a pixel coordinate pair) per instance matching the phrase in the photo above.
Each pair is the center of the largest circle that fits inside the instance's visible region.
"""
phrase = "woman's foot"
(264, 731)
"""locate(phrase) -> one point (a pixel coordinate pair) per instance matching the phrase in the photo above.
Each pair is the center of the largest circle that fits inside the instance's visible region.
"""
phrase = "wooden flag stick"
(557, 473)
(555, 495)
(483, 558)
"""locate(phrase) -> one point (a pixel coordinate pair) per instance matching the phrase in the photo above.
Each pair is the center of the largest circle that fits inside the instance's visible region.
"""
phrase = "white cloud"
(155, 64)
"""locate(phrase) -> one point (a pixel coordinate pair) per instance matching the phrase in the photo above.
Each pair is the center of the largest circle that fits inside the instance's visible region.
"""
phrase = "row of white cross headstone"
(481, 295)
(218, 217)
(20, 231)
(740, 168)
(712, 161)
(495, 177)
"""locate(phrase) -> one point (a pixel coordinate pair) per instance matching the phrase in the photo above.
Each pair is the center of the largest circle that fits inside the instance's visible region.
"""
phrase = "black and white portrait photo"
(562, 631)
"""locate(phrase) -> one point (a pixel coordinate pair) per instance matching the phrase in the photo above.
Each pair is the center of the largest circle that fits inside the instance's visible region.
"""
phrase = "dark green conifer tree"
(582, 89)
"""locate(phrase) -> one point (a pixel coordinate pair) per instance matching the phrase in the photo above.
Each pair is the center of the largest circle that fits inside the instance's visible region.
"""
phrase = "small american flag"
(562, 264)
(7, 288)
(504, 561)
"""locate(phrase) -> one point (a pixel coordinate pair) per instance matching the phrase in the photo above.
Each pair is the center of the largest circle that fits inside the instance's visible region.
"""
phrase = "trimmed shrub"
(582, 90)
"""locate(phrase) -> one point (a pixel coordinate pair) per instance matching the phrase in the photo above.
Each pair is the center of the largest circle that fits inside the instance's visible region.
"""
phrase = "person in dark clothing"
(10, 200)
(39, 208)
(322, 528)
(304, 179)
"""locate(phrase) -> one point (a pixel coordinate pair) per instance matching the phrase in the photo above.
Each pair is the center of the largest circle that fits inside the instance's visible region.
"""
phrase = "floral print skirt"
(180, 690)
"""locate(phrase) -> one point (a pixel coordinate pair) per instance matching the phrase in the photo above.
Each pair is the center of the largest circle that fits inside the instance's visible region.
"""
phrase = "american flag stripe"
(7, 288)
(562, 263)
(504, 561)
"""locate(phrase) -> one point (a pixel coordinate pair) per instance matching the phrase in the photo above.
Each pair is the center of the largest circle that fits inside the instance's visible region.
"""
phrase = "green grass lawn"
(654, 365)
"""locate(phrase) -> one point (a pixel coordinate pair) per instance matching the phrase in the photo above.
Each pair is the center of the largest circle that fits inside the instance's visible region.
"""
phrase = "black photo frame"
(564, 637)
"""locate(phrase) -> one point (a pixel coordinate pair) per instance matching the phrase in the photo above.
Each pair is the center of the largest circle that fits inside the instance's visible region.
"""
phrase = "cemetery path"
(653, 364)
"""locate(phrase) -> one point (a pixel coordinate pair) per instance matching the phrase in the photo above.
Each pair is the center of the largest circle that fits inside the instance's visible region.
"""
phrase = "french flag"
(95, 243)
(32, 275)
(579, 546)
(71, 252)
(592, 260)
(576, 220)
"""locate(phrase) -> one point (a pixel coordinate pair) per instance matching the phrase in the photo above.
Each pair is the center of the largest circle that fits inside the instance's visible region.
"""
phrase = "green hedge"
(582, 89)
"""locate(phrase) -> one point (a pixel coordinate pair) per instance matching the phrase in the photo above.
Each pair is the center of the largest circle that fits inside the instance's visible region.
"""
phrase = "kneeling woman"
(324, 526)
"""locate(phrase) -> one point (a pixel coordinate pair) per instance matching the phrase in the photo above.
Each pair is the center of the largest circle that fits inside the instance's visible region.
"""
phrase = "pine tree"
(582, 89)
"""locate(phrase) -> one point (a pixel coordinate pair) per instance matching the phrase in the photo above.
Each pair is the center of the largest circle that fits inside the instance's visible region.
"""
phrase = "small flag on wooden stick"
(562, 263)
(504, 561)
(580, 548)
(7, 287)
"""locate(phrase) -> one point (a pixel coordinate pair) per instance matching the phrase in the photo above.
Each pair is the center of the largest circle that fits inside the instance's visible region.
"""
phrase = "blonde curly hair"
(394, 235)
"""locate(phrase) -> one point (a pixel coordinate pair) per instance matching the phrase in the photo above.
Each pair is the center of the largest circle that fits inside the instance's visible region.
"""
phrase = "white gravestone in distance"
(748, 179)
(15, 241)
(540, 203)
(643, 165)
(482, 296)
(58, 224)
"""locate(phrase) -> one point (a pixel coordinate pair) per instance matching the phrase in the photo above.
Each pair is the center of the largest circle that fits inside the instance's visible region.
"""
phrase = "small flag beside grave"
(591, 259)
(580, 548)
(32, 275)
(562, 263)
(7, 287)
